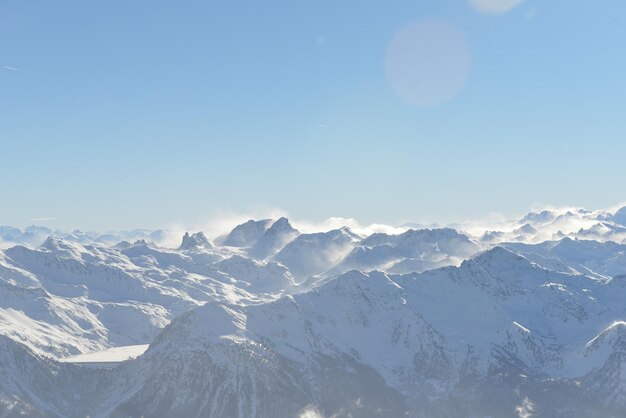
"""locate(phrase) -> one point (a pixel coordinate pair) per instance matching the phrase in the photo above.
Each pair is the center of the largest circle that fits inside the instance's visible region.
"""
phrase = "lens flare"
(428, 62)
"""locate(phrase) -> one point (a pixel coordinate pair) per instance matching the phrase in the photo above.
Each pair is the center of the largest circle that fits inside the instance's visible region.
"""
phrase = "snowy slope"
(426, 344)
(426, 335)
(259, 277)
(109, 355)
(65, 298)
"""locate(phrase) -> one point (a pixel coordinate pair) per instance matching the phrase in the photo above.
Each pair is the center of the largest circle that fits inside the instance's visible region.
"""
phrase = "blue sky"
(124, 114)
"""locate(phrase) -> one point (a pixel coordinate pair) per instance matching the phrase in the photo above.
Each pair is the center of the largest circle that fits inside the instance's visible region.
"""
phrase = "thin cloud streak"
(42, 219)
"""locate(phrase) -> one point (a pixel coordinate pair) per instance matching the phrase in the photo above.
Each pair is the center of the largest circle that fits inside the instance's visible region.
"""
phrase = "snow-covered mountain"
(313, 254)
(601, 259)
(64, 298)
(246, 234)
(195, 241)
(411, 251)
(267, 321)
(273, 240)
(35, 235)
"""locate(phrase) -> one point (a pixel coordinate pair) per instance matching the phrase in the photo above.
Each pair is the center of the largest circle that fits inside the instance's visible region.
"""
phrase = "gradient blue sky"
(118, 114)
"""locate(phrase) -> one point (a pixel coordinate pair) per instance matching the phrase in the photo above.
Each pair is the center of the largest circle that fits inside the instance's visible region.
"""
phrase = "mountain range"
(527, 319)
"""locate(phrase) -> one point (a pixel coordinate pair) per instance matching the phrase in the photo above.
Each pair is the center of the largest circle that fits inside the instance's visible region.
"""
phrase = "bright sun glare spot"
(494, 6)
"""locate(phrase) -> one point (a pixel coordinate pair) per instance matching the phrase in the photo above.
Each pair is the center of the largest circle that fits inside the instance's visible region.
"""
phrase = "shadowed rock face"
(195, 383)
(227, 379)
(275, 387)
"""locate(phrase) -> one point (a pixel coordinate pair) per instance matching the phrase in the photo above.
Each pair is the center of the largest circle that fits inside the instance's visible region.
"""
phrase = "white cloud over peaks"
(43, 219)
(564, 220)
(560, 221)
(223, 222)
(548, 223)
(335, 222)
(6, 244)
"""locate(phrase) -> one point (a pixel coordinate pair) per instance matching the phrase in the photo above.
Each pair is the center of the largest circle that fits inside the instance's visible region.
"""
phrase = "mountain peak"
(62, 248)
(195, 241)
(52, 242)
(526, 229)
(499, 260)
(345, 230)
(274, 239)
(281, 224)
(619, 217)
(538, 217)
(247, 233)
(55, 243)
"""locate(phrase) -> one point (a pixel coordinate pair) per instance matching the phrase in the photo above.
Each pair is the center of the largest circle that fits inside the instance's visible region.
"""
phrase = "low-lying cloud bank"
(541, 224)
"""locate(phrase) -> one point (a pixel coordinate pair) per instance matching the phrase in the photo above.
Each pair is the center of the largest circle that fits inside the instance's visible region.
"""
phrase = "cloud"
(564, 221)
(6, 67)
(335, 222)
(43, 219)
(6, 244)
